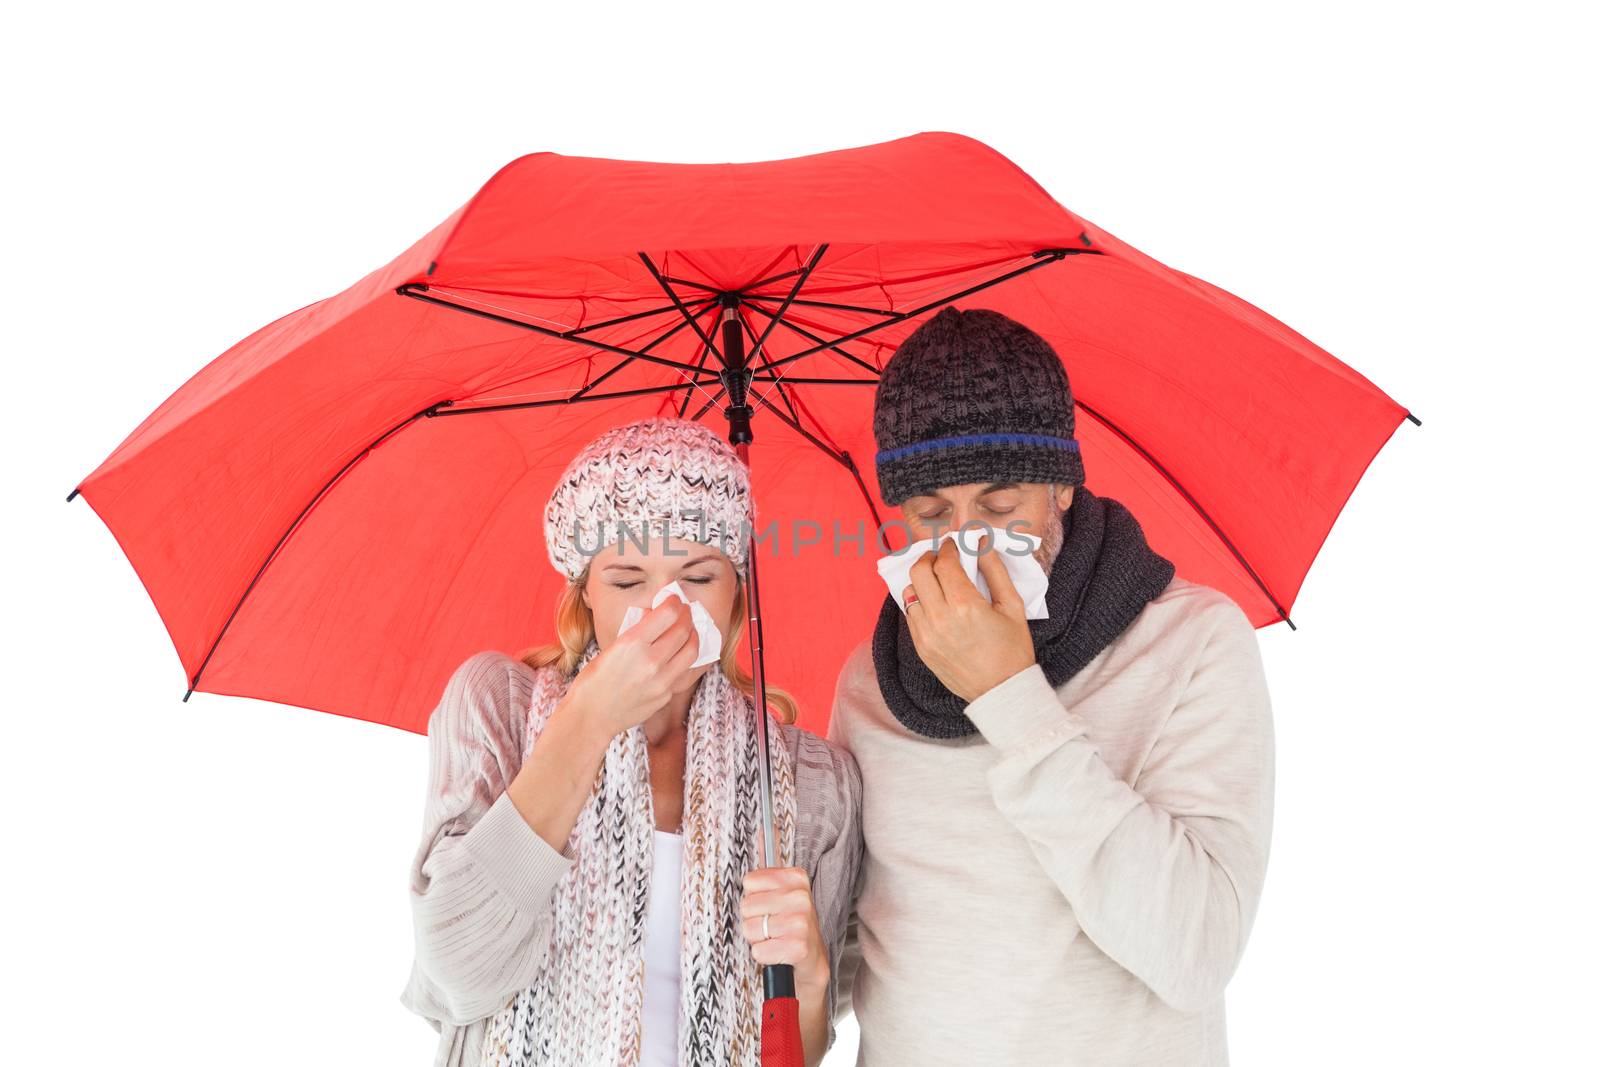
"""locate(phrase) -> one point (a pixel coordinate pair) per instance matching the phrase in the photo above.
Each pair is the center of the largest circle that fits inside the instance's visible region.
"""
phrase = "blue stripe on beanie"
(1066, 444)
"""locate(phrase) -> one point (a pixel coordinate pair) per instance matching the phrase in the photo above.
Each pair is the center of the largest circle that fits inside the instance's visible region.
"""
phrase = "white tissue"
(1014, 549)
(710, 636)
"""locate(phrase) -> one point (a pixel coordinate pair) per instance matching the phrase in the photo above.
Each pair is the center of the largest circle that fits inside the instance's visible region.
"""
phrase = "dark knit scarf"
(1101, 579)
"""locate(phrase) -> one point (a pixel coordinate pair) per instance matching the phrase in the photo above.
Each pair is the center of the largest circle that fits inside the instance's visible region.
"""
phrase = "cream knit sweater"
(1073, 884)
(482, 880)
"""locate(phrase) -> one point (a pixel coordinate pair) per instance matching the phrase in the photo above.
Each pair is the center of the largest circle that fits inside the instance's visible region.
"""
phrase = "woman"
(588, 887)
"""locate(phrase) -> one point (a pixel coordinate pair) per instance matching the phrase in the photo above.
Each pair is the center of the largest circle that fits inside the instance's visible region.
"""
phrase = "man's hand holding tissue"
(969, 643)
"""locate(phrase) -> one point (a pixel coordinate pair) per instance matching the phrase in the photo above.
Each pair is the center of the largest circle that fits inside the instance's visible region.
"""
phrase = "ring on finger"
(766, 933)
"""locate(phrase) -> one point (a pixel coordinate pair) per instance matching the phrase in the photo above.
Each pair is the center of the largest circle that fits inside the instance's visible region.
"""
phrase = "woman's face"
(624, 575)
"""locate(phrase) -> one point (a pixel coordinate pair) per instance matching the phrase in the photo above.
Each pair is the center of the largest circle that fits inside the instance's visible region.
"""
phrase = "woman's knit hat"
(646, 480)
(973, 396)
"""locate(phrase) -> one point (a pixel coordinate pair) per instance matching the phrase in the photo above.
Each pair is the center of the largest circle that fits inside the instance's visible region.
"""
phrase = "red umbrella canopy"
(343, 506)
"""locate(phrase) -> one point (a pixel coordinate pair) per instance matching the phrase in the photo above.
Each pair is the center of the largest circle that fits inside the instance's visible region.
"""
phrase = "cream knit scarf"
(584, 1008)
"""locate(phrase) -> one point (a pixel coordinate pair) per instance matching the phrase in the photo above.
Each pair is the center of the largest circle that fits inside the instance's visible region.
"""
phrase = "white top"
(662, 958)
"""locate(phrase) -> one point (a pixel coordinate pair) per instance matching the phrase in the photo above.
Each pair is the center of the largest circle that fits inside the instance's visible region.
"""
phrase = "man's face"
(1025, 507)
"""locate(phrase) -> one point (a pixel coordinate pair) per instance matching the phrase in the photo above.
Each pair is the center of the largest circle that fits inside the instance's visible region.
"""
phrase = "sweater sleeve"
(844, 963)
(482, 879)
(844, 979)
(1163, 874)
(831, 773)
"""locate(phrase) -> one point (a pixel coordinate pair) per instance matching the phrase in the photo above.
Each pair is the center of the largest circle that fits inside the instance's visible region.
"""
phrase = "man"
(1067, 819)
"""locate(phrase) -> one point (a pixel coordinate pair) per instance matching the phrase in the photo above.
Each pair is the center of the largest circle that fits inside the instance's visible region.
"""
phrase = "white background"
(223, 880)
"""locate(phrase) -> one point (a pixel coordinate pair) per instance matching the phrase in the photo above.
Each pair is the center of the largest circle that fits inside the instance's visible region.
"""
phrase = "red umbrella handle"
(780, 1033)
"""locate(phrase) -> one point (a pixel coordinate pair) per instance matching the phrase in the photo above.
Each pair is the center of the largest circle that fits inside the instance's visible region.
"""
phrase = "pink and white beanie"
(645, 480)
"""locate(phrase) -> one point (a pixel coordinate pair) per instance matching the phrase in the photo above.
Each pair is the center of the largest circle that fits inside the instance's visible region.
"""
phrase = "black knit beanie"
(973, 396)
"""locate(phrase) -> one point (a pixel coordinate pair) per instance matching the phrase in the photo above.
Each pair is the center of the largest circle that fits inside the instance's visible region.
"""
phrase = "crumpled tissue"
(1015, 551)
(710, 636)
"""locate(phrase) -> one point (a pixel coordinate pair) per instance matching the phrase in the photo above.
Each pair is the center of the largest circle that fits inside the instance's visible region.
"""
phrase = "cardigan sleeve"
(829, 785)
(844, 963)
(482, 879)
(1163, 873)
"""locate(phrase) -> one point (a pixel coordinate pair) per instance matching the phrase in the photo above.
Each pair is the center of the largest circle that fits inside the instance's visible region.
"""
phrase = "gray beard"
(1050, 542)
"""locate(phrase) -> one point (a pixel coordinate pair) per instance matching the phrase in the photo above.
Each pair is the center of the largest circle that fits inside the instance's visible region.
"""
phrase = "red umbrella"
(343, 506)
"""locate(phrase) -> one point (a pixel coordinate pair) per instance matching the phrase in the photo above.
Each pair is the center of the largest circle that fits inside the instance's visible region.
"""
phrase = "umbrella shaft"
(736, 380)
(759, 677)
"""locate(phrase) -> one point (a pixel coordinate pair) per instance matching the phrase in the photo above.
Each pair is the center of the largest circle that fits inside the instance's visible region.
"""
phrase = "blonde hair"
(575, 629)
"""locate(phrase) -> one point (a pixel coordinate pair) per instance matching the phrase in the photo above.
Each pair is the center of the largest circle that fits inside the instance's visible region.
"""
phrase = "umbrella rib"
(817, 339)
(1042, 258)
(799, 283)
(419, 291)
(855, 472)
(831, 452)
(678, 303)
(826, 304)
(804, 272)
(602, 377)
(1114, 428)
(1078, 402)
(773, 319)
(705, 351)
(777, 381)
(769, 280)
(443, 407)
(640, 315)
(684, 407)
(575, 398)
(709, 404)
(882, 285)
(432, 409)
(792, 380)
(692, 284)
(779, 258)
(842, 458)
(759, 350)
(662, 337)
(821, 344)
(1226, 540)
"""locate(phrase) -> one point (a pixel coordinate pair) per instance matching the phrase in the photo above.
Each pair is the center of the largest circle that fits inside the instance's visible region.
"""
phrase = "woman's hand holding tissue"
(972, 645)
(630, 680)
(633, 677)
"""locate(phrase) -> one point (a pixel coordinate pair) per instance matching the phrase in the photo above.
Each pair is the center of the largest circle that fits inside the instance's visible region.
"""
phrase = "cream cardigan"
(482, 879)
